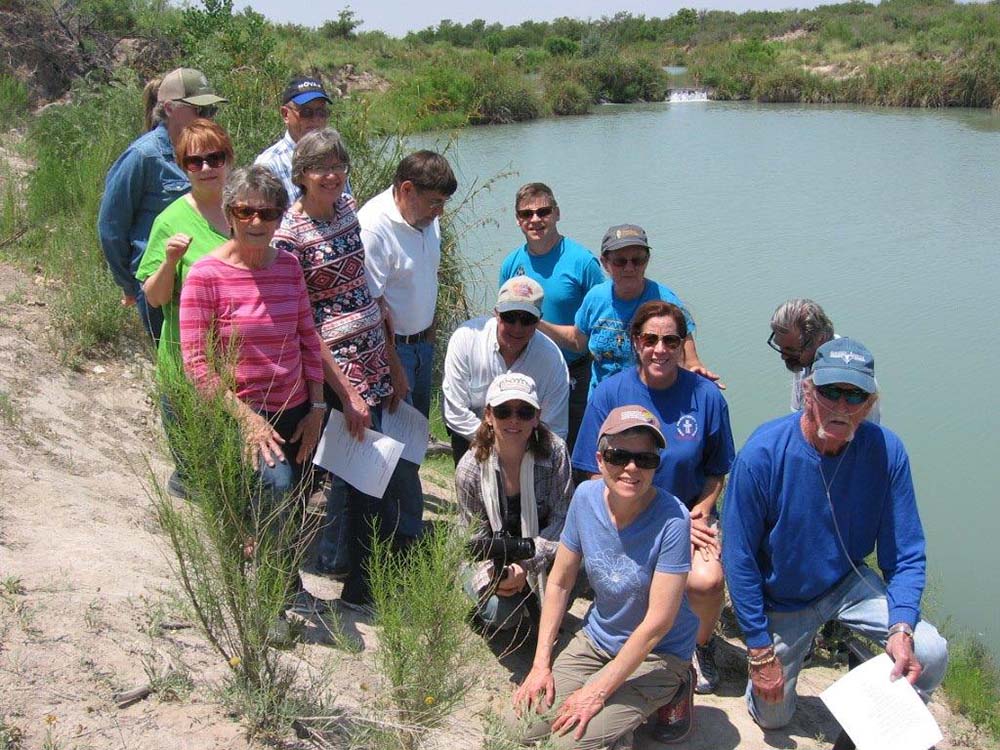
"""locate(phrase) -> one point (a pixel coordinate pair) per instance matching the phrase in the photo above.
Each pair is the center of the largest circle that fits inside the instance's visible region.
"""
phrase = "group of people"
(588, 436)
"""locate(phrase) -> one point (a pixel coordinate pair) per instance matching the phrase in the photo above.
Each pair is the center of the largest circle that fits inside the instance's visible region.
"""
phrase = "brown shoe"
(675, 720)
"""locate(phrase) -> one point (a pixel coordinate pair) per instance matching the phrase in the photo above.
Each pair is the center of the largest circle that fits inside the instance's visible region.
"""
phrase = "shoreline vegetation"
(93, 56)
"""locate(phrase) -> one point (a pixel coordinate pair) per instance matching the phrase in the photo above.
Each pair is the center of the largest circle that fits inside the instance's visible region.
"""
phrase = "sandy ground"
(85, 580)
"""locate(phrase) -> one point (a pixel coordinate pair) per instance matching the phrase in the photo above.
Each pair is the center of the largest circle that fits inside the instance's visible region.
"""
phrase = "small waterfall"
(687, 95)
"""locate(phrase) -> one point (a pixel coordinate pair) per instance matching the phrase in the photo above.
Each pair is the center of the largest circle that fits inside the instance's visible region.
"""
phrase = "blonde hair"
(152, 114)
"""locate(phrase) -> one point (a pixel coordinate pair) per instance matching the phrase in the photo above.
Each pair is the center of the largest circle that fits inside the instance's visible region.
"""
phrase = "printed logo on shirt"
(519, 271)
(613, 572)
(687, 427)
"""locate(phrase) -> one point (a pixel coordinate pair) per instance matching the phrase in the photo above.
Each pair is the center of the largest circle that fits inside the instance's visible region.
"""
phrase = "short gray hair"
(254, 180)
(314, 150)
(805, 315)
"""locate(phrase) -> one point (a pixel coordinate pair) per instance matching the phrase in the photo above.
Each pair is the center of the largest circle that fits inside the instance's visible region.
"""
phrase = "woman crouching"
(633, 653)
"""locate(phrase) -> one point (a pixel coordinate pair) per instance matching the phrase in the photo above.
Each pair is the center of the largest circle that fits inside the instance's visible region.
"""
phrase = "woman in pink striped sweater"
(246, 303)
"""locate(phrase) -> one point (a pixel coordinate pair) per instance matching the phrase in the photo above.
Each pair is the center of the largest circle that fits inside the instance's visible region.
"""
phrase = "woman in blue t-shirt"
(632, 655)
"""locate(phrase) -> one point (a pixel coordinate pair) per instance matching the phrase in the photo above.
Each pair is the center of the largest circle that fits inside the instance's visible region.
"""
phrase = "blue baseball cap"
(845, 361)
(303, 90)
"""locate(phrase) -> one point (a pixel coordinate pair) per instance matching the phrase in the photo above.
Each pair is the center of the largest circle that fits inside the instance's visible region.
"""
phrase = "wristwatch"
(900, 627)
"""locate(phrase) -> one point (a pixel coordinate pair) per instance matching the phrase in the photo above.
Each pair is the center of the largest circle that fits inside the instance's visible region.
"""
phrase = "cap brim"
(831, 375)
(523, 306)
(623, 243)
(310, 96)
(203, 100)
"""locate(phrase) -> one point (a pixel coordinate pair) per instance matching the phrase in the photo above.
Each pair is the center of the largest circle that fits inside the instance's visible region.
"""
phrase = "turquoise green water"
(888, 218)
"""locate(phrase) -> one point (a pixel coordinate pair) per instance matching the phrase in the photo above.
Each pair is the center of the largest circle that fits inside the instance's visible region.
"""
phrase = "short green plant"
(426, 651)
(12, 586)
(972, 683)
(11, 735)
(13, 100)
(9, 414)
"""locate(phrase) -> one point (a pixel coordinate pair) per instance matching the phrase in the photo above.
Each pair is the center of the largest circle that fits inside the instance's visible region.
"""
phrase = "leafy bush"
(568, 97)
(560, 46)
(13, 100)
(502, 95)
(620, 79)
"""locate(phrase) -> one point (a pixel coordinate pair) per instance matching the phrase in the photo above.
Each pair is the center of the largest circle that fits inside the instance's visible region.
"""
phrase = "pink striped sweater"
(265, 313)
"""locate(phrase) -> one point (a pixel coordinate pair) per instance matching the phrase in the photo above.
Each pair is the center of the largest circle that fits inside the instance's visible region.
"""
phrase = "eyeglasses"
(785, 350)
(621, 457)
(510, 317)
(542, 213)
(434, 203)
(638, 261)
(853, 396)
(265, 213)
(330, 169)
(197, 162)
(670, 340)
(506, 411)
(309, 113)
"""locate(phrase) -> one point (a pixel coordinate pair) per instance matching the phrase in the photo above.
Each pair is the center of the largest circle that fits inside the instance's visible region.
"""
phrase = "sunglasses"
(621, 457)
(195, 162)
(670, 340)
(506, 411)
(264, 213)
(853, 396)
(518, 316)
(636, 260)
(308, 113)
(331, 169)
(526, 213)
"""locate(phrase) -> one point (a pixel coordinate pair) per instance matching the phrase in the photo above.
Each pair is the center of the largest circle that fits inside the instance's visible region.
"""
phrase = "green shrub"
(560, 46)
(619, 79)
(791, 84)
(568, 97)
(502, 95)
(973, 683)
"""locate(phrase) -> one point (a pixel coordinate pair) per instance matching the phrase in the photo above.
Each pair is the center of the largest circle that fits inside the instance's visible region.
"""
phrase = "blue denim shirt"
(143, 181)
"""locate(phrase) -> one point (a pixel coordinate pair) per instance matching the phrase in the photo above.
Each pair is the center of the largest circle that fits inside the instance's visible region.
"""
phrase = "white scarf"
(488, 471)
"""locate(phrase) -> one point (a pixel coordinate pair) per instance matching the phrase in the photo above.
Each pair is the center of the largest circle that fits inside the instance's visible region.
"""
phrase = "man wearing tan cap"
(509, 341)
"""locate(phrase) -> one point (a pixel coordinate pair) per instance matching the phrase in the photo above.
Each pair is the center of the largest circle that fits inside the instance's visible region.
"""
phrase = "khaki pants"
(651, 685)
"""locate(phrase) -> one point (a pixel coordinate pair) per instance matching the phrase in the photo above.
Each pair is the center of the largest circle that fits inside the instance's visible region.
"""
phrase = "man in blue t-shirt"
(566, 271)
(810, 496)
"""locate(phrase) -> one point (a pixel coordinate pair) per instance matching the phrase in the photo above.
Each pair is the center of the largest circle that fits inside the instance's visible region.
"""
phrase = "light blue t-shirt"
(620, 564)
(566, 273)
(604, 319)
(694, 418)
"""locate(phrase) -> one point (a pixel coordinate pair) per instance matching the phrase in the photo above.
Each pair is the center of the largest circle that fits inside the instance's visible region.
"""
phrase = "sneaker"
(675, 720)
(705, 670)
(362, 608)
(306, 605)
(175, 487)
(326, 567)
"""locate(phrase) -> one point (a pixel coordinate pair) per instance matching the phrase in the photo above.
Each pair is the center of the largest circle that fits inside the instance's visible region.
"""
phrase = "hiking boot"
(675, 720)
(705, 670)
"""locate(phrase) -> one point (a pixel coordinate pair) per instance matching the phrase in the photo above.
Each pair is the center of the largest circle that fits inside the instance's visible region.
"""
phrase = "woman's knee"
(706, 578)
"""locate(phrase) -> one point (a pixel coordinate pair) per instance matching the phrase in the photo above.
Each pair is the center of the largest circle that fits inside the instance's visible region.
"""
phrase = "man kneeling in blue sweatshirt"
(810, 496)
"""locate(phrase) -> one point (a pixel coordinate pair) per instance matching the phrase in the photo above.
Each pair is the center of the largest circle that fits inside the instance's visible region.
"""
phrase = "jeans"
(151, 317)
(579, 389)
(853, 603)
(498, 612)
(278, 481)
(345, 542)
(418, 362)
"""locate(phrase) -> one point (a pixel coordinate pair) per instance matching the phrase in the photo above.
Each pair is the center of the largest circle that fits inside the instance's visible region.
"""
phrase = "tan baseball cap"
(189, 86)
(627, 417)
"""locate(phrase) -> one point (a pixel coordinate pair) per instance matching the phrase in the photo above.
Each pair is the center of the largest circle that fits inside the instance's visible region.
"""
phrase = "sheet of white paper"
(879, 714)
(408, 426)
(366, 465)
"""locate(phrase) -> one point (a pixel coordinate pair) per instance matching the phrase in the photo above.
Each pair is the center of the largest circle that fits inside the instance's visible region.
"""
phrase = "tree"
(343, 28)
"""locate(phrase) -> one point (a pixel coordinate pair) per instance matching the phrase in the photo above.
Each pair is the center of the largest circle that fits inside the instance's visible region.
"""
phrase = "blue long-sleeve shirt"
(143, 181)
(780, 548)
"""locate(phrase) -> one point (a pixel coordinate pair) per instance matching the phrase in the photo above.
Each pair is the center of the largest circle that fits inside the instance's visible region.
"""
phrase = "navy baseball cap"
(845, 361)
(303, 90)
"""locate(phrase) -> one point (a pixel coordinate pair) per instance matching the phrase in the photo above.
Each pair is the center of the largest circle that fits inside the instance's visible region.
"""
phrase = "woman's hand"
(357, 415)
(577, 711)
(307, 430)
(704, 537)
(262, 439)
(538, 690)
(513, 582)
(177, 245)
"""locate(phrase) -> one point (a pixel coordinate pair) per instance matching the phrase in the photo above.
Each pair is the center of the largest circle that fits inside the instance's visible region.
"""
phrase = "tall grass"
(972, 683)
(13, 100)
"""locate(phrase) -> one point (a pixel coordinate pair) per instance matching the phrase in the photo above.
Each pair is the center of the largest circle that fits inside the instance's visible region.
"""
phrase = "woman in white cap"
(633, 654)
(146, 179)
(513, 484)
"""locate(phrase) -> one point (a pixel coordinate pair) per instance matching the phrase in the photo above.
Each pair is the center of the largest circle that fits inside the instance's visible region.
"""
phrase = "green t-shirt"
(180, 217)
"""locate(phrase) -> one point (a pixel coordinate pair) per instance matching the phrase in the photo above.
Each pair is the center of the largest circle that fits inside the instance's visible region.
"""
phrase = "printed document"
(408, 426)
(366, 465)
(879, 714)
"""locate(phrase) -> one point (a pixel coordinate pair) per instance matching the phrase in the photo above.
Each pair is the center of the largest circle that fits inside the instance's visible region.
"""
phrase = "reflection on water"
(887, 217)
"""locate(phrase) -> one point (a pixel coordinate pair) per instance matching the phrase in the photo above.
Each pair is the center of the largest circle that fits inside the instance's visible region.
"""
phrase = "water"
(888, 218)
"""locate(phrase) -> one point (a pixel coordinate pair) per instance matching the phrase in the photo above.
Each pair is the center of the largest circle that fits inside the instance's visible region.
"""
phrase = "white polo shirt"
(473, 360)
(402, 263)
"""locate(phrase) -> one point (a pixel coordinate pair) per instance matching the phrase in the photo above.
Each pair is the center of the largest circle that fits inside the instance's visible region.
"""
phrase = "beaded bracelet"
(764, 659)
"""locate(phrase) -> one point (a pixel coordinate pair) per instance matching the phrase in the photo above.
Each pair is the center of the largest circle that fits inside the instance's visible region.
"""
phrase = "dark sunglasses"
(195, 163)
(853, 396)
(638, 261)
(246, 213)
(621, 457)
(670, 340)
(526, 213)
(518, 316)
(506, 411)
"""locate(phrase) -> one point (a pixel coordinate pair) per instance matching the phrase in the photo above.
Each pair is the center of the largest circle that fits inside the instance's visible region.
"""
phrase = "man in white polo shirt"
(402, 239)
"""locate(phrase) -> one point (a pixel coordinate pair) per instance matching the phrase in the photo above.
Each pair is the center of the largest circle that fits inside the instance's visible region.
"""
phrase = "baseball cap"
(624, 235)
(303, 90)
(521, 293)
(189, 86)
(845, 361)
(512, 386)
(627, 417)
